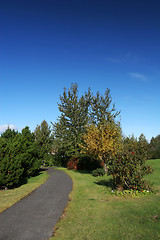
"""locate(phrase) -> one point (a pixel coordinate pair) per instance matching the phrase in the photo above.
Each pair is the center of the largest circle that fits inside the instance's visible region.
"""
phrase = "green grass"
(11, 196)
(94, 214)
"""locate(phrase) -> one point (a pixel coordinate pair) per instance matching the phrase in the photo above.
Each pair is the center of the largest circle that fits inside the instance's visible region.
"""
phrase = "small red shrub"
(72, 163)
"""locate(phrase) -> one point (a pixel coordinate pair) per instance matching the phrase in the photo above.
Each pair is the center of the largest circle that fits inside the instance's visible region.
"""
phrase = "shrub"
(11, 172)
(72, 163)
(128, 171)
(98, 172)
(87, 163)
(131, 193)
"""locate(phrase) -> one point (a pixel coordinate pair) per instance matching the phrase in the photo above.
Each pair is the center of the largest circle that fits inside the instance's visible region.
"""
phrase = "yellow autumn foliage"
(102, 141)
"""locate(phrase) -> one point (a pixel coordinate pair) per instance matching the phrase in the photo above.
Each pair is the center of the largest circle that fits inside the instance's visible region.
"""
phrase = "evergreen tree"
(18, 157)
(9, 133)
(44, 139)
(143, 147)
(71, 123)
(154, 147)
(101, 108)
(29, 153)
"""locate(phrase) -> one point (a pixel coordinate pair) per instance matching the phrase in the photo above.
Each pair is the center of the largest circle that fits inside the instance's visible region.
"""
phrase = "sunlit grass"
(93, 213)
(11, 196)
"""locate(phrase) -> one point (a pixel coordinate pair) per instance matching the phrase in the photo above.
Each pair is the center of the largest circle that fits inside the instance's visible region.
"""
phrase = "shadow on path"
(34, 217)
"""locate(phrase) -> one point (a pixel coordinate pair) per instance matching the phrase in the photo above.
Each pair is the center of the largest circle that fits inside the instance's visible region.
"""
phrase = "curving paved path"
(34, 217)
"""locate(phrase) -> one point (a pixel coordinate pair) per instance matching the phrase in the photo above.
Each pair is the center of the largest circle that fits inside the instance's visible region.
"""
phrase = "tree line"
(87, 135)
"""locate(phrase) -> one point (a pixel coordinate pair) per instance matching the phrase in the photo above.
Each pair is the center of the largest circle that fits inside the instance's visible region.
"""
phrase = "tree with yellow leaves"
(102, 141)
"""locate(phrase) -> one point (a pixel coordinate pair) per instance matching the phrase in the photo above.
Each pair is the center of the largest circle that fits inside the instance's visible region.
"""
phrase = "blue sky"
(47, 45)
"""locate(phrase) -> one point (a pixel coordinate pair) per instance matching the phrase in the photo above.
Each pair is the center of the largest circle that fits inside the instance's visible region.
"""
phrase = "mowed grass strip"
(93, 213)
(11, 196)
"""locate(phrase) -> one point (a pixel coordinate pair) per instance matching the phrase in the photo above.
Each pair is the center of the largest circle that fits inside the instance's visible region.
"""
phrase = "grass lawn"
(94, 214)
(11, 196)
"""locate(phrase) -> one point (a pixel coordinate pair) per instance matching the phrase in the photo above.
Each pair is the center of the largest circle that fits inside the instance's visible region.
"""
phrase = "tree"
(44, 140)
(18, 157)
(103, 132)
(9, 133)
(76, 114)
(11, 170)
(102, 141)
(71, 123)
(143, 147)
(28, 153)
(154, 147)
(101, 108)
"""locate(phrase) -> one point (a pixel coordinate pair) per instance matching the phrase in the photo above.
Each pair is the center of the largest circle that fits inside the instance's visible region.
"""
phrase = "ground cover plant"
(94, 213)
(11, 196)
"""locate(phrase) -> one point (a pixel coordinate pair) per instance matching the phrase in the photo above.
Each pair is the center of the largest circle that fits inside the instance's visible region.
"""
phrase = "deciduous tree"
(102, 141)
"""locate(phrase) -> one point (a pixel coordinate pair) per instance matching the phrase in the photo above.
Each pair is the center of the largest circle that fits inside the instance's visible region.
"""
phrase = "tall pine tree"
(71, 123)
(44, 139)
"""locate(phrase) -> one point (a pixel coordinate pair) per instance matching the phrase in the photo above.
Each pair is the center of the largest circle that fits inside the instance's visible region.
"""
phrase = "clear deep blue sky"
(45, 45)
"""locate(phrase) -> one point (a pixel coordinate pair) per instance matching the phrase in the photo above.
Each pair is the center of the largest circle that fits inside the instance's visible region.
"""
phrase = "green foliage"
(132, 193)
(76, 113)
(44, 140)
(18, 157)
(139, 146)
(29, 153)
(83, 163)
(154, 147)
(101, 108)
(128, 170)
(49, 160)
(128, 166)
(10, 171)
(9, 134)
(61, 158)
(88, 163)
(71, 123)
(98, 172)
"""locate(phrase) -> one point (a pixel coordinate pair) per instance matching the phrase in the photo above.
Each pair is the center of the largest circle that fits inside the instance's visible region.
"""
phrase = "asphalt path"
(34, 217)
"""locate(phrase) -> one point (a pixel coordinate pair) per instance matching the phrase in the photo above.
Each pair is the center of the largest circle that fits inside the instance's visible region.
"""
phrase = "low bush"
(132, 193)
(98, 172)
(87, 163)
(72, 163)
